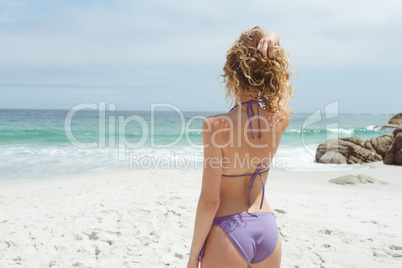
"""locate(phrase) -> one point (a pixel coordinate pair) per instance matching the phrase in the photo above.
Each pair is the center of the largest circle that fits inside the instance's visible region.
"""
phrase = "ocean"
(51, 143)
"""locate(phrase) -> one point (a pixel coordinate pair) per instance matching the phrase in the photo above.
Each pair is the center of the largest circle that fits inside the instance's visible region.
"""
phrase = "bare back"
(243, 154)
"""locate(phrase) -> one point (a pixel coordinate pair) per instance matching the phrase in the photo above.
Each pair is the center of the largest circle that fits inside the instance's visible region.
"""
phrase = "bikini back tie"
(250, 113)
(262, 168)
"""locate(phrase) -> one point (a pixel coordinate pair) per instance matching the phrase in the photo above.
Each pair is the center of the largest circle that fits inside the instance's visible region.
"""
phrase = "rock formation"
(394, 122)
(354, 150)
(355, 179)
(394, 155)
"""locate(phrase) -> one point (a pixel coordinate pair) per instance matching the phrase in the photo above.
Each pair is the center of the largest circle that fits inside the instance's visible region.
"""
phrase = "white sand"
(137, 219)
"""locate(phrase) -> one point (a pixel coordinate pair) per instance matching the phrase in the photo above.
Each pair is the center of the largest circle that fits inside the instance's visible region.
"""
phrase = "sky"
(58, 54)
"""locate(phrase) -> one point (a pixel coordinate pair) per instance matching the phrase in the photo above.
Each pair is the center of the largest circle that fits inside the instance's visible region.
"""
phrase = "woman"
(234, 225)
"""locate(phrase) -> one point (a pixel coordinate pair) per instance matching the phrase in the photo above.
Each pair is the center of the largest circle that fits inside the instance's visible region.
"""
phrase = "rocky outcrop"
(354, 150)
(355, 179)
(394, 154)
(394, 122)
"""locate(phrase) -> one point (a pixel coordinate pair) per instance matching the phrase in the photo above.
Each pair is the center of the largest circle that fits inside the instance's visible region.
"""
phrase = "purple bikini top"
(250, 113)
(263, 167)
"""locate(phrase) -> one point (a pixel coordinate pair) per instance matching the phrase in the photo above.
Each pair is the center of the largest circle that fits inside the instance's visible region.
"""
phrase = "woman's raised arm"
(267, 43)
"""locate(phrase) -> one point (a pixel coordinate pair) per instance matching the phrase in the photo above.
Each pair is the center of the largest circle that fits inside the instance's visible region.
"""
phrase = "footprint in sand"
(92, 236)
(396, 251)
(325, 231)
(280, 211)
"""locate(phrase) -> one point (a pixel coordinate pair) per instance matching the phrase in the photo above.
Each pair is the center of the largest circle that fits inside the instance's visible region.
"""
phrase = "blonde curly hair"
(247, 71)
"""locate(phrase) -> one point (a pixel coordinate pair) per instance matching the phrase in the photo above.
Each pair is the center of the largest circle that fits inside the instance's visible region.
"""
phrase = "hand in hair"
(267, 43)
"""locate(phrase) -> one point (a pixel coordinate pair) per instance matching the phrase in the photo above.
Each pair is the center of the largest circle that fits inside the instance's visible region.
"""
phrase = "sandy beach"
(136, 218)
(104, 103)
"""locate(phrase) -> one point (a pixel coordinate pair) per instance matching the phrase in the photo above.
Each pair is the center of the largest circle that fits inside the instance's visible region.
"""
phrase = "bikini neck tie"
(250, 114)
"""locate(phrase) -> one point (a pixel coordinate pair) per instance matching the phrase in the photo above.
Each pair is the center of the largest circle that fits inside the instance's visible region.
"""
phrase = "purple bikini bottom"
(254, 234)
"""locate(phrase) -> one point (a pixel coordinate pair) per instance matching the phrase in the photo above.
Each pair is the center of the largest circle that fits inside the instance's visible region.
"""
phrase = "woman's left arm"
(209, 200)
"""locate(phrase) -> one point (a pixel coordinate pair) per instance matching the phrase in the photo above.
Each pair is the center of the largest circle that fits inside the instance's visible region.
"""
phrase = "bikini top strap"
(250, 114)
(261, 168)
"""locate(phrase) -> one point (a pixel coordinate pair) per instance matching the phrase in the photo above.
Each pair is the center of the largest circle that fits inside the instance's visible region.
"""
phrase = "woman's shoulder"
(284, 113)
(280, 117)
(215, 122)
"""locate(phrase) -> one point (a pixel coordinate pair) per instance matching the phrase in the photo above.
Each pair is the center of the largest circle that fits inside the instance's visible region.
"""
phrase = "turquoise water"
(36, 143)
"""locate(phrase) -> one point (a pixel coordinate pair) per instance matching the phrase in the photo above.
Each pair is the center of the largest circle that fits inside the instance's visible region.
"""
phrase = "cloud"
(170, 46)
(134, 33)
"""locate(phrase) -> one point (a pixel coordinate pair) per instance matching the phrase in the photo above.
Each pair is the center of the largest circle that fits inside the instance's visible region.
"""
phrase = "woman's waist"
(241, 206)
